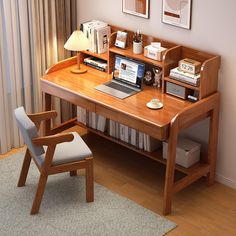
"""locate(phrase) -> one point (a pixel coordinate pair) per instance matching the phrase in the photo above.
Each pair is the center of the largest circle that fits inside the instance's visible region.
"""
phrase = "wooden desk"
(165, 123)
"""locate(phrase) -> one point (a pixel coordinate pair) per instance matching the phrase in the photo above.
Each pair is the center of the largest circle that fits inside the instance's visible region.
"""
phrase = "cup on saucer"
(154, 104)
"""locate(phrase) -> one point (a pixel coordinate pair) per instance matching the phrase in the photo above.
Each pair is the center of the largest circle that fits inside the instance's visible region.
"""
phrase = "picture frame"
(177, 13)
(136, 7)
(121, 39)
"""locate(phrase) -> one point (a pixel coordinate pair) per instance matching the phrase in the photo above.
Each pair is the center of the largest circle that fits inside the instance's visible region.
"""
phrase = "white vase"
(137, 47)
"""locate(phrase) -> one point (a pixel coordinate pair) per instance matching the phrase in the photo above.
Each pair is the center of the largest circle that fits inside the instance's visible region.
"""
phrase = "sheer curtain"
(32, 36)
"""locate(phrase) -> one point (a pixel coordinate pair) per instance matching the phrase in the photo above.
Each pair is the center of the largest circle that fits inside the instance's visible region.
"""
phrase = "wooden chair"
(52, 154)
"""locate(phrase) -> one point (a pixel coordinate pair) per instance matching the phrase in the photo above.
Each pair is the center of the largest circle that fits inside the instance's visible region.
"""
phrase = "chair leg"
(39, 194)
(24, 169)
(89, 180)
(73, 173)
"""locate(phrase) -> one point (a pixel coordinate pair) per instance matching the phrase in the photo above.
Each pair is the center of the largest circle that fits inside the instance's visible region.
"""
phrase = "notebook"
(127, 78)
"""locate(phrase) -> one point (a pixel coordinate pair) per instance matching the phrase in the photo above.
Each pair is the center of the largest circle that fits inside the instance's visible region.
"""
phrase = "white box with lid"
(187, 152)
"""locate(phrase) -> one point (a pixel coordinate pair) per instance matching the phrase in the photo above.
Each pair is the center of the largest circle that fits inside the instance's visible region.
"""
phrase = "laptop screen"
(128, 71)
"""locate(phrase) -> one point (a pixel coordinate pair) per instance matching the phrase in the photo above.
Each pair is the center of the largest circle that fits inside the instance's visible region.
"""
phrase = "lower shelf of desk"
(156, 155)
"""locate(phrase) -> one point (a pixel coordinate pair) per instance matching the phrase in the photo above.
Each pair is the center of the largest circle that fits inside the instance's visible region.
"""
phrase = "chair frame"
(47, 168)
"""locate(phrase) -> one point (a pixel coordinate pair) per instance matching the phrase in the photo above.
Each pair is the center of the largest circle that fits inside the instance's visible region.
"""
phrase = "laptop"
(127, 78)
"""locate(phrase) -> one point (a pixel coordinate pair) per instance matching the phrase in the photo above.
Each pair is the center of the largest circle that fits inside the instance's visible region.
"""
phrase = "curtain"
(32, 36)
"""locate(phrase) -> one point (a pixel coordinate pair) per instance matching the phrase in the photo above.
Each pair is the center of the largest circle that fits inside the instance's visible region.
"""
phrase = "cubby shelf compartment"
(128, 52)
(195, 88)
(209, 69)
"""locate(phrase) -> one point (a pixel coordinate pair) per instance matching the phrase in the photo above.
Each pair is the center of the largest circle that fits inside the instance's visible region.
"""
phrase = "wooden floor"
(198, 210)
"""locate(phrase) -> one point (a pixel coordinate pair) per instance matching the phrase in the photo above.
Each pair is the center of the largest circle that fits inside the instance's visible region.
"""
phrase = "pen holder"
(137, 47)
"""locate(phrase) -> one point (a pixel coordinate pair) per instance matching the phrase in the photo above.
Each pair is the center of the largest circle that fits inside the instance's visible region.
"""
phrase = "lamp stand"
(78, 70)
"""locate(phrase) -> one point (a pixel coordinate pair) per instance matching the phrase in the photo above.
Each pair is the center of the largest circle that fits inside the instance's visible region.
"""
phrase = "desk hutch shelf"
(210, 63)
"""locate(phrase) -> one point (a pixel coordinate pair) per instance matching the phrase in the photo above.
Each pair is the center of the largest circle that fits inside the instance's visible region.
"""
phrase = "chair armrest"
(53, 139)
(46, 115)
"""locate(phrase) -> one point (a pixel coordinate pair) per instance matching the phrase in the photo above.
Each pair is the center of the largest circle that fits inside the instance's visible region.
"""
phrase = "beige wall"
(213, 30)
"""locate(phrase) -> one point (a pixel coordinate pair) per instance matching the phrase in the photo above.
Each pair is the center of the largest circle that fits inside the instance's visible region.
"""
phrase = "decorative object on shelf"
(194, 96)
(154, 51)
(189, 65)
(137, 43)
(148, 79)
(77, 42)
(136, 7)
(157, 77)
(177, 13)
(177, 90)
(121, 39)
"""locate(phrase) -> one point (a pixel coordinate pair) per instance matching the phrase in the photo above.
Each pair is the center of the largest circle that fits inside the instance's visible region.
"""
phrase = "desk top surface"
(133, 106)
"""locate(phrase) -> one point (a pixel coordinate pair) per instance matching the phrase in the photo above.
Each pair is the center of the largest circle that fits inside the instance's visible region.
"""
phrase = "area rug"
(64, 210)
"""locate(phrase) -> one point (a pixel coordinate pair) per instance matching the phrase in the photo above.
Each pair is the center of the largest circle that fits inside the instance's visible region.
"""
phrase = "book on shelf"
(94, 120)
(82, 115)
(103, 34)
(89, 119)
(150, 143)
(140, 140)
(117, 130)
(90, 30)
(133, 137)
(101, 123)
(112, 128)
(192, 79)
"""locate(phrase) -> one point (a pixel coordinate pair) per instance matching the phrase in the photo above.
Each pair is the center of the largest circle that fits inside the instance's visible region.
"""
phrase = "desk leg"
(212, 144)
(48, 107)
(170, 168)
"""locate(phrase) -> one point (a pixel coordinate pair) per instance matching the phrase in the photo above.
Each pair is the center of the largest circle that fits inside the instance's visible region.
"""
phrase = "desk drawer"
(160, 133)
(67, 95)
(89, 105)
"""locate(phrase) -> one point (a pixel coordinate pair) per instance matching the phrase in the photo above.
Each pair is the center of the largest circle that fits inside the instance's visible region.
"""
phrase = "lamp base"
(78, 71)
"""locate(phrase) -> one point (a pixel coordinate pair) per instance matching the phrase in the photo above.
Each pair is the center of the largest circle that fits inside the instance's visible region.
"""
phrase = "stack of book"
(96, 63)
(188, 78)
(98, 33)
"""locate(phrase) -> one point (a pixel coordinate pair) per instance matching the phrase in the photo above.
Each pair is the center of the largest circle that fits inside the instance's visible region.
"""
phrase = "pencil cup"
(137, 47)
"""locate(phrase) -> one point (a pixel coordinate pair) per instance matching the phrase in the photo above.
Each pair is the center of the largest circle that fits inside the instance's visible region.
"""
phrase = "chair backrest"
(28, 131)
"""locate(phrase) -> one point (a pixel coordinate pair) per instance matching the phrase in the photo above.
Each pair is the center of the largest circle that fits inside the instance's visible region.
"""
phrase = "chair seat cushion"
(66, 152)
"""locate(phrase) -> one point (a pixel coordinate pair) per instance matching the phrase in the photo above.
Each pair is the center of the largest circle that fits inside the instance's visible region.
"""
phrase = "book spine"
(127, 134)
(101, 123)
(117, 128)
(184, 78)
(122, 132)
(133, 138)
(95, 66)
(140, 140)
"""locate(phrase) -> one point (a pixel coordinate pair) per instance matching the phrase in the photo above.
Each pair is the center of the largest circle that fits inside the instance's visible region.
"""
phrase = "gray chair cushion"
(66, 152)
(28, 130)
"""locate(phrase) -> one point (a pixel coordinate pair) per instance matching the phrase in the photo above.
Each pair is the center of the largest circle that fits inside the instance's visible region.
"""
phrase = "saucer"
(154, 104)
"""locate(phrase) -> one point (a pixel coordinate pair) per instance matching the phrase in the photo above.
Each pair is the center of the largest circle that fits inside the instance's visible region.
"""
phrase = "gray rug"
(64, 210)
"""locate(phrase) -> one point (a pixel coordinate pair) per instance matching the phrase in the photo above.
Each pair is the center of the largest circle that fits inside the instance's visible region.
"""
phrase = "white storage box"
(154, 52)
(187, 152)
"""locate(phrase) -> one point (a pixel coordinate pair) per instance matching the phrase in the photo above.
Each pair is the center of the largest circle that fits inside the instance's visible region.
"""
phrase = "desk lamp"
(77, 42)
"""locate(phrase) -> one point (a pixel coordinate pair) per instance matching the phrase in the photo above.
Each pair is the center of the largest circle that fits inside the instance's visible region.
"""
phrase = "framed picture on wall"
(177, 13)
(136, 7)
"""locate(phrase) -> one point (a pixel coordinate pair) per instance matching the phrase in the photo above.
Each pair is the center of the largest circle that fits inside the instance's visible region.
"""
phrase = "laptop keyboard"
(120, 87)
